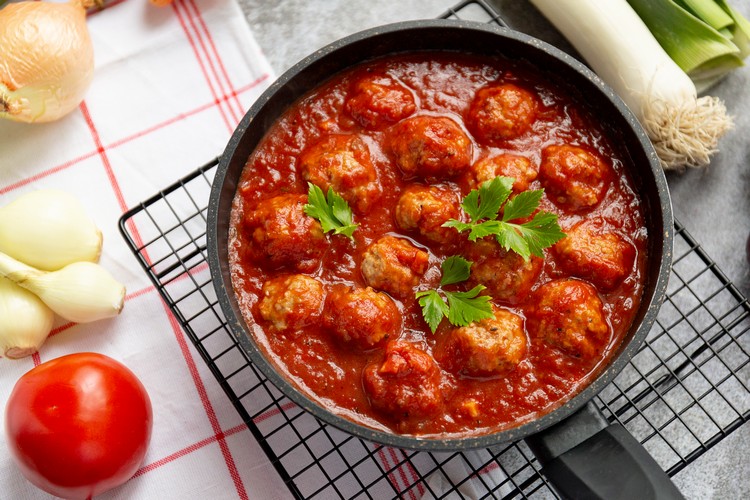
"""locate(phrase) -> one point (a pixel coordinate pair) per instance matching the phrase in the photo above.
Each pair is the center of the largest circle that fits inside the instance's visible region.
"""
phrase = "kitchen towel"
(170, 86)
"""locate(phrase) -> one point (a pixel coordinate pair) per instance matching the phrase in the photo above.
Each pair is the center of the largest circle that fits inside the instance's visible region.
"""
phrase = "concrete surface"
(713, 203)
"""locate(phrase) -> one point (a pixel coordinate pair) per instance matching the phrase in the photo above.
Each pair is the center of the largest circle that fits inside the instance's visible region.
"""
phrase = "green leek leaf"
(717, 66)
(740, 29)
(709, 12)
(689, 41)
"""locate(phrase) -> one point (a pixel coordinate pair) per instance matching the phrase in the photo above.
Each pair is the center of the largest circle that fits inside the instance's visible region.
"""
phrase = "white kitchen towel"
(170, 85)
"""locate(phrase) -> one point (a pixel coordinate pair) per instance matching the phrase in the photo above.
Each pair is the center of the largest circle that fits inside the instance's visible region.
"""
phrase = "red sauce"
(443, 85)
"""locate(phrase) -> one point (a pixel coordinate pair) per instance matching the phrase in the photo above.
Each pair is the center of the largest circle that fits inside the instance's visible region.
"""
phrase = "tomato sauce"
(441, 84)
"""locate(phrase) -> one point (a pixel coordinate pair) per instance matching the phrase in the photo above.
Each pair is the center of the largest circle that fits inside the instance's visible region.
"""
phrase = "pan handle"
(586, 457)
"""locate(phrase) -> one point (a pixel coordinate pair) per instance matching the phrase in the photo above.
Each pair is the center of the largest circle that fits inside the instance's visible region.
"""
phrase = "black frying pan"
(582, 454)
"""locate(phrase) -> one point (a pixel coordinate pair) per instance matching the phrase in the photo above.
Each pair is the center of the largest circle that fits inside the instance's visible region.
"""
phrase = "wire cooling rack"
(684, 391)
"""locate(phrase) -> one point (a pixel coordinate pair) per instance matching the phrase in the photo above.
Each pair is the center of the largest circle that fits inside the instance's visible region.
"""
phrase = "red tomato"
(78, 425)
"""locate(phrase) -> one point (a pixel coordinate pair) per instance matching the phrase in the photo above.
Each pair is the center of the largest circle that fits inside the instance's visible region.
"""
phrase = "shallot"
(48, 229)
(25, 322)
(81, 292)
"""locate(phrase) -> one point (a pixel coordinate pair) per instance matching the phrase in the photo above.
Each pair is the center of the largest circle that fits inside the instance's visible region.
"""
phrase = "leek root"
(686, 135)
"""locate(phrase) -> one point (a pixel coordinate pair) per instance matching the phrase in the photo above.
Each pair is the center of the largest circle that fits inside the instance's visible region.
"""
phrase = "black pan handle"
(585, 457)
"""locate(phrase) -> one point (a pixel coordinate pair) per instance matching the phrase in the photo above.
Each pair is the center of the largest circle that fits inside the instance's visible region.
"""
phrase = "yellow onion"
(46, 61)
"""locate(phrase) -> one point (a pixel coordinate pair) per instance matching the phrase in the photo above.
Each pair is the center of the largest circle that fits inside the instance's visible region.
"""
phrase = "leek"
(706, 38)
(740, 30)
(708, 11)
(616, 43)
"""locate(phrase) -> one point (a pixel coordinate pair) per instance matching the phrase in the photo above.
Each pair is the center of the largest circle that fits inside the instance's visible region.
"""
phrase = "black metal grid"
(684, 391)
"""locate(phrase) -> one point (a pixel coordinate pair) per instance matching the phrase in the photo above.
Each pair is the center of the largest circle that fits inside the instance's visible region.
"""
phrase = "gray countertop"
(713, 203)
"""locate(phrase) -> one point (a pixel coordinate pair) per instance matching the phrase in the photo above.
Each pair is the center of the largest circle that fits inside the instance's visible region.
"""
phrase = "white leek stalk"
(610, 36)
(81, 292)
(48, 229)
(25, 322)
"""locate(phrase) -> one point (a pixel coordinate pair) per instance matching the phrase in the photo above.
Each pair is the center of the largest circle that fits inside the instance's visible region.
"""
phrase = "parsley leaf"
(433, 308)
(485, 202)
(477, 230)
(333, 212)
(455, 270)
(523, 205)
(461, 308)
(510, 238)
(466, 307)
(529, 238)
(537, 234)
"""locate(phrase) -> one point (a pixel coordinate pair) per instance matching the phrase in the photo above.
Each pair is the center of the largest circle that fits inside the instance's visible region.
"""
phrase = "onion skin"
(46, 62)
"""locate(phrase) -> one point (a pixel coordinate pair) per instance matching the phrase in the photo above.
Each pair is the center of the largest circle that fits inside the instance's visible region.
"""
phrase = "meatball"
(394, 265)
(291, 302)
(430, 146)
(342, 162)
(596, 254)
(376, 101)
(518, 167)
(282, 234)
(501, 113)
(575, 178)
(425, 209)
(492, 346)
(361, 317)
(406, 384)
(507, 276)
(569, 315)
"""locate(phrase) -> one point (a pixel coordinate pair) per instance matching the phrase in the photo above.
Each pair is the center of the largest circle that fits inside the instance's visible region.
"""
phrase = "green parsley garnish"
(332, 211)
(483, 206)
(461, 308)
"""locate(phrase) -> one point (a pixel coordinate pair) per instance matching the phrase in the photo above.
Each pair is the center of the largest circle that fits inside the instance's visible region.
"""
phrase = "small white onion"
(25, 322)
(81, 292)
(48, 229)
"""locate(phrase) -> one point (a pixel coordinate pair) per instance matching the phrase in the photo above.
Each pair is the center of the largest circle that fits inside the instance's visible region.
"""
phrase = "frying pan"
(581, 454)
